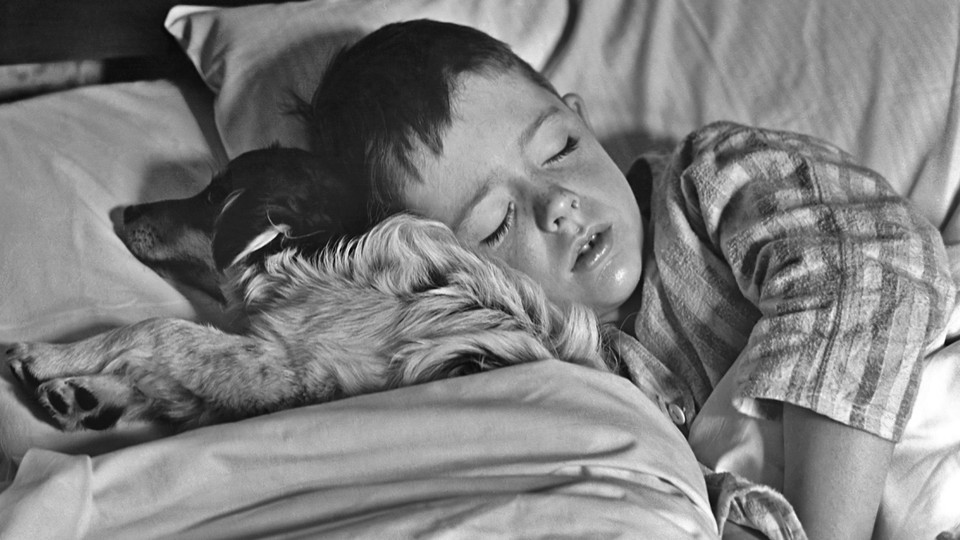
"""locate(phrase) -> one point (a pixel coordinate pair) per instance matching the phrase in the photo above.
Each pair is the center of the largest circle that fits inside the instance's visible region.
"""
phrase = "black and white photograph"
(475, 269)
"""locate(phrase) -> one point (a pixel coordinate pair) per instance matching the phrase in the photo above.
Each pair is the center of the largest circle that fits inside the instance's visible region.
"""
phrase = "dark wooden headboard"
(127, 34)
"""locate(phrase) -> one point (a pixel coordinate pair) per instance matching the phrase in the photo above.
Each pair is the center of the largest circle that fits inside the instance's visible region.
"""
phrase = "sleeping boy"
(766, 254)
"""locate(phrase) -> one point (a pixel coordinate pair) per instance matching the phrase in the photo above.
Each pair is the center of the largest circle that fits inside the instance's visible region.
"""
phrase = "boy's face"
(523, 178)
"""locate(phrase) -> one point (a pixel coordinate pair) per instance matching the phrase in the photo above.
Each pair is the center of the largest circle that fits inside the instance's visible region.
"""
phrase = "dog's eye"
(216, 193)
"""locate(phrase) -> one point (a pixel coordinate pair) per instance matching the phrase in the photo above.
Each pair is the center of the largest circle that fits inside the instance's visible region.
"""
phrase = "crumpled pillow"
(259, 59)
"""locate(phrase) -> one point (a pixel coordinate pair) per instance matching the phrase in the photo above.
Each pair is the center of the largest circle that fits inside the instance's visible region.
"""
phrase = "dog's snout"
(132, 213)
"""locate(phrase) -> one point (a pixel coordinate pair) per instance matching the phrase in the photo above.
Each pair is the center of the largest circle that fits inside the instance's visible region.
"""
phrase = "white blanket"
(535, 451)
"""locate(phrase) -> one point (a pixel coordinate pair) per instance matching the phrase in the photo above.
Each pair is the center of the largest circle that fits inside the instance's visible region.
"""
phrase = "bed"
(542, 450)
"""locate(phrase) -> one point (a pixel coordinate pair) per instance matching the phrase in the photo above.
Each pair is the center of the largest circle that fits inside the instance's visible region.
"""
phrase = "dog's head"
(265, 200)
(409, 292)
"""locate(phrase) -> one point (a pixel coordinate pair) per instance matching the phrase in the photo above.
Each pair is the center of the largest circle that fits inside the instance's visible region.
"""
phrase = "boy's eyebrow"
(467, 209)
(527, 134)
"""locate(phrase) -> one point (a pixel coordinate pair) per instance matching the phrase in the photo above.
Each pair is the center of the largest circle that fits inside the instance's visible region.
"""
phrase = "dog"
(402, 304)
(272, 198)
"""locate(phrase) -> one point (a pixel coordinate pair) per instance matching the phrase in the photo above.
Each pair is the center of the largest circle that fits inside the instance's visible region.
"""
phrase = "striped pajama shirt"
(773, 254)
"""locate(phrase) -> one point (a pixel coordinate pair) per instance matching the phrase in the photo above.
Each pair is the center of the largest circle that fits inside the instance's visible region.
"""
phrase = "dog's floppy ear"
(477, 313)
(289, 200)
(420, 253)
(468, 335)
(443, 354)
(259, 221)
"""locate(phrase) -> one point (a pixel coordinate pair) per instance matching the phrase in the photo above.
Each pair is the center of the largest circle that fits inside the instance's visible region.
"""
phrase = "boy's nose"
(559, 209)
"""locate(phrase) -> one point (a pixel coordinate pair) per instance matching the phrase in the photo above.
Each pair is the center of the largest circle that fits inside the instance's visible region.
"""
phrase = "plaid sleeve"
(761, 508)
(851, 284)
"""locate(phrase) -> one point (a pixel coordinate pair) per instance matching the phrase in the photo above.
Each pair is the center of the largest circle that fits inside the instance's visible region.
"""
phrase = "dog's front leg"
(33, 363)
(68, 378)
(169, 369)
(166, 369)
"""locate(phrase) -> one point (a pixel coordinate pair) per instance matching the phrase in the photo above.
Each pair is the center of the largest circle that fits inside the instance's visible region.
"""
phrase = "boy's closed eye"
(570, 144)
(501, 232)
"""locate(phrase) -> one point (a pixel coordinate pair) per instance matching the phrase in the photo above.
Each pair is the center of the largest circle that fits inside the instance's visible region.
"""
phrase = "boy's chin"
(619, 302)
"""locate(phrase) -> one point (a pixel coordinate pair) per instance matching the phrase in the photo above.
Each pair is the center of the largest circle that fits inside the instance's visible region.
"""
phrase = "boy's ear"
(575, 102)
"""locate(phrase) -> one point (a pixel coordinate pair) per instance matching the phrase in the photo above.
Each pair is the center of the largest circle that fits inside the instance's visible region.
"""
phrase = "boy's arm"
(850, 285)
(835, 476)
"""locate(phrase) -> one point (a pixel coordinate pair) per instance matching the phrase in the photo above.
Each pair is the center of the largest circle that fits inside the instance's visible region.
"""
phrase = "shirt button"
(676, 414)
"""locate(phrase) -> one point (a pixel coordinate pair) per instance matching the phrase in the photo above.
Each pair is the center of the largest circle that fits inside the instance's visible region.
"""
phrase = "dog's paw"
(20, 359)
(91, 402)
(33, 363)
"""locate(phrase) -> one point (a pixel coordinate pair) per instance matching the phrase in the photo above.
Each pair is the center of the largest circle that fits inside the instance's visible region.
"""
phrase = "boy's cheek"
(617, 283)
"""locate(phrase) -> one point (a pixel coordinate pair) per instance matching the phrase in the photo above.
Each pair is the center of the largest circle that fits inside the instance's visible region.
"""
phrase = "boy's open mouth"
(591, 249)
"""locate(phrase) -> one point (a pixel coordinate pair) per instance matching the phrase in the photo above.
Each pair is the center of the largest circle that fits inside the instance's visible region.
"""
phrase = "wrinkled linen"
(534, 451)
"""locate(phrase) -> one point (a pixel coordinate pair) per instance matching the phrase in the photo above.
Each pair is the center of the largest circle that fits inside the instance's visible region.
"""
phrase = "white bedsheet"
(535, 451)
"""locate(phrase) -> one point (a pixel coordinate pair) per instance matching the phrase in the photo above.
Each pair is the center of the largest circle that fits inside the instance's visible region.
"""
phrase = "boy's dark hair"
(393, 88)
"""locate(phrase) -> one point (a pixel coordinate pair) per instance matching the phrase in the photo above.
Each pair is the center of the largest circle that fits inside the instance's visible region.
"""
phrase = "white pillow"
(68, 161)
(257, 58)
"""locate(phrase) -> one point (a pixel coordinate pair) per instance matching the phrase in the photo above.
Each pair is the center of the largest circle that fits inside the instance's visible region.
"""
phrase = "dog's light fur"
(401, 305)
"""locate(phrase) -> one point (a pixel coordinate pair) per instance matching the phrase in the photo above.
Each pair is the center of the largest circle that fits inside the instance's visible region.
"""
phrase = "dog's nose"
(132, 213)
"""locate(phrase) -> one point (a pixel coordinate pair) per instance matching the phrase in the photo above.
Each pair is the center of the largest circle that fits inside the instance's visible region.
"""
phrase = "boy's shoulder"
(712, 138)
(723, 145)
(725, 141)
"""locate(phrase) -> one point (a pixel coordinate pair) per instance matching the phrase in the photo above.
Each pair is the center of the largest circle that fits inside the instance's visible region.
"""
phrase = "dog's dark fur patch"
(193, 240)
